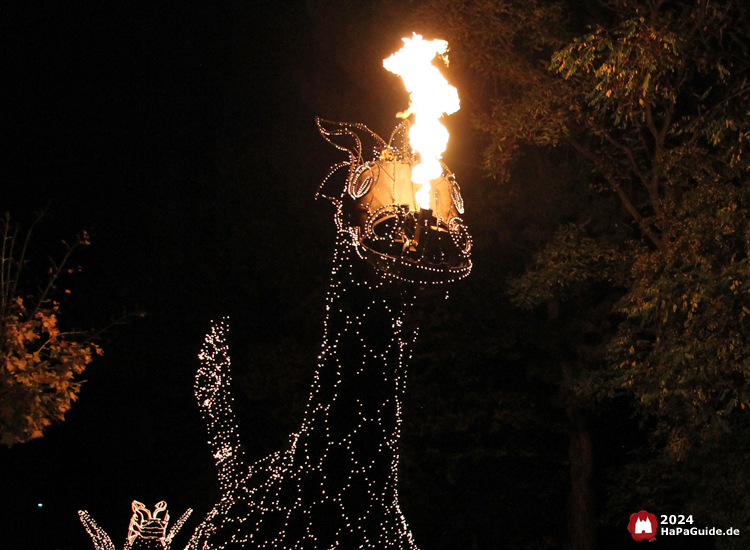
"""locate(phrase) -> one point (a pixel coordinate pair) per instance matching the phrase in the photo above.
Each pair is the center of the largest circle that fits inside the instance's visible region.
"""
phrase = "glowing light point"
(334, 485)
(146, 529)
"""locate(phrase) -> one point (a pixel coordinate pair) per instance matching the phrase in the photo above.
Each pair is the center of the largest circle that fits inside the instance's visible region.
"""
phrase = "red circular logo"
(642, 526)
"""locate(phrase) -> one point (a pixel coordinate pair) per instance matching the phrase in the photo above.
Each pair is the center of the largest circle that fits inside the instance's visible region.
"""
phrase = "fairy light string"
(336, 485)
(146, 529)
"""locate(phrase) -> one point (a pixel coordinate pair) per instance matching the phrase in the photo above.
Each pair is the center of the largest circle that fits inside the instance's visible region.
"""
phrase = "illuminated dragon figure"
(398, 230)
(334, 486)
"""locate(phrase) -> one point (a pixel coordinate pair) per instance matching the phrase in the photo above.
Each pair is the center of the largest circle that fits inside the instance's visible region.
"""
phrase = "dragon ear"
(160, 511)
(356, 140)
(349, 137)
(140, 512)
(136, 506)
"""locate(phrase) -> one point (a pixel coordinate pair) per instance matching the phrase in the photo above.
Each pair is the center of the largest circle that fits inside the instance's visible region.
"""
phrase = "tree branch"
(665, 127)
(629, 154)
(57, 269)
(650, 122)
(710, 113)
(627, 203)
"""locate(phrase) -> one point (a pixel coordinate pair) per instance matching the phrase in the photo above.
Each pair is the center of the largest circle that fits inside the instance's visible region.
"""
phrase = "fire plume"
(430, 97)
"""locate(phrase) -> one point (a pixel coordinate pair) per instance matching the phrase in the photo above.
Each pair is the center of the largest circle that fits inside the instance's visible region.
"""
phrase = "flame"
(430, 97)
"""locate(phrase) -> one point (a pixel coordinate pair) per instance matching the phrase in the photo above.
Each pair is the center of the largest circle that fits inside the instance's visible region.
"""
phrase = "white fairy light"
(377, 208)
(146, 529)
(335, 485)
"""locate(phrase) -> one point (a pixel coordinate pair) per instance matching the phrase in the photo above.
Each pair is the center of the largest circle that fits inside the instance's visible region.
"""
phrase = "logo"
(643, 526)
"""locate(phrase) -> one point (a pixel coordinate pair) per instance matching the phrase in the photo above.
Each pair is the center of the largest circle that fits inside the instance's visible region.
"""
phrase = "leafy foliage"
(653, 98)
(562, 269)
(506, 44)
(684, 345)
(38, 361)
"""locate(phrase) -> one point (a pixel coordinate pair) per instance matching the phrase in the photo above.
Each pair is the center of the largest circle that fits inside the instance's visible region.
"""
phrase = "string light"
(335, 484)
(377, 207)
(146, 529)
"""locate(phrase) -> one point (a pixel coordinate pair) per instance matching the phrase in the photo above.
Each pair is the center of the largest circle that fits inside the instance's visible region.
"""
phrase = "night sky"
(182, 137)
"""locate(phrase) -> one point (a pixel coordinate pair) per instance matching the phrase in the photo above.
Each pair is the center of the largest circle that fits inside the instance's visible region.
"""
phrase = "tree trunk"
(581, 515)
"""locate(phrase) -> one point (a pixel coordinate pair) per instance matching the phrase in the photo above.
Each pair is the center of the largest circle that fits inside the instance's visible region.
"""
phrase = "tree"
(506, 46)
(652, 98)
(38, 361)
(666, 94)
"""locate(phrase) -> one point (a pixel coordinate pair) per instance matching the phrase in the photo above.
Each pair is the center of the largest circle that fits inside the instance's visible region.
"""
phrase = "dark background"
(182, 137)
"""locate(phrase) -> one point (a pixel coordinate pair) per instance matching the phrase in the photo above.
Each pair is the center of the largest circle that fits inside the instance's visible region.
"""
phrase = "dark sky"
(182, 137)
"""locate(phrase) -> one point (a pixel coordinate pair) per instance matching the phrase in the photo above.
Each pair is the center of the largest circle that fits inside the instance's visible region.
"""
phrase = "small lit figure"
(146, 530)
